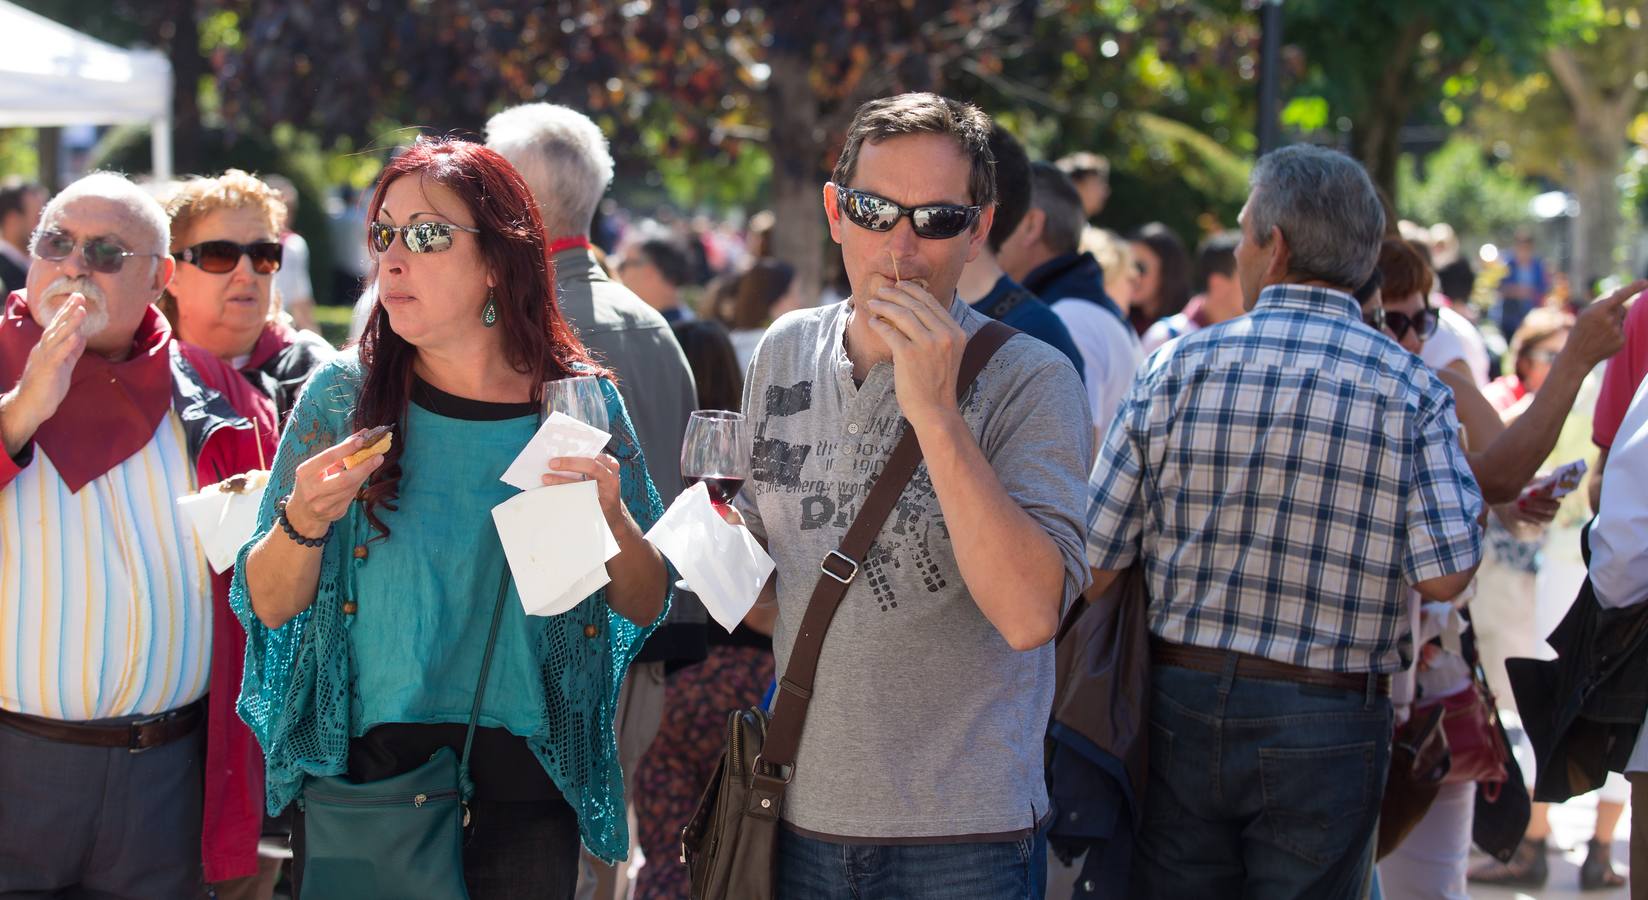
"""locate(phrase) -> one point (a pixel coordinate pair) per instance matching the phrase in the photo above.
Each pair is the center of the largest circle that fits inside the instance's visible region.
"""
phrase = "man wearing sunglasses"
(943, 639)
(112, 628)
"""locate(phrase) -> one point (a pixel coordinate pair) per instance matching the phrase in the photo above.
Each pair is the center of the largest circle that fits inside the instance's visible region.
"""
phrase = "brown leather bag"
(1419, 763)
(730, 846)
(1103, 671)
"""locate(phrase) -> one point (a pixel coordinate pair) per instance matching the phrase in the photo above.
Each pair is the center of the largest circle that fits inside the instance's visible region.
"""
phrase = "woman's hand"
(323, 489)
(603, 470)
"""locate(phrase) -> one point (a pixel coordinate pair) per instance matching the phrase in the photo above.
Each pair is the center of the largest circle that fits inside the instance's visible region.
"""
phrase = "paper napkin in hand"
(224, 516)
(722, 563)
(557, 543)
(560, 435)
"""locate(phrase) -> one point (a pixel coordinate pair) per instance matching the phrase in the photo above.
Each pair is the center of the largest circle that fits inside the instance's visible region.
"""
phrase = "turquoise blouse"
(423, 601)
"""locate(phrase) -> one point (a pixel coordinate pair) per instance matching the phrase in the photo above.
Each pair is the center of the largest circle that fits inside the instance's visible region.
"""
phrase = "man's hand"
(46, 376)
(926, 344)
(1599, 331)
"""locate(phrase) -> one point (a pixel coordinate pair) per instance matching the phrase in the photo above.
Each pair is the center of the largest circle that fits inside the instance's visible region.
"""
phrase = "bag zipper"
(417, 800)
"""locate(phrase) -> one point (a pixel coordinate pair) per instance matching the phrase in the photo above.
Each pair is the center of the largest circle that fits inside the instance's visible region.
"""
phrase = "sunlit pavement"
(1571, 826)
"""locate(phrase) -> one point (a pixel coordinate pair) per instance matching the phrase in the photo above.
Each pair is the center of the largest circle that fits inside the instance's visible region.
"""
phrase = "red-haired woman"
(368, 592)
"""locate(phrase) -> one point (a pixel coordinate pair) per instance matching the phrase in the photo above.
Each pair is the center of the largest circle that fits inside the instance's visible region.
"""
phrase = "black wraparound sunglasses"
(934, 221)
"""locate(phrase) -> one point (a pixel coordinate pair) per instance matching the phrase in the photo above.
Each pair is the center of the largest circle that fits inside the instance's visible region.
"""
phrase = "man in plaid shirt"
(1284, 478)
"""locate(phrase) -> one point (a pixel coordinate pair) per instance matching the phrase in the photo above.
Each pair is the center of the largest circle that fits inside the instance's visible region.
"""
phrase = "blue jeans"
(1260, 788)
(811, 869)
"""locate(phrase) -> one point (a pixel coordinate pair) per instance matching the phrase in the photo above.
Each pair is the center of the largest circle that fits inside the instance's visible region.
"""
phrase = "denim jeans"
(1260, 788)
(812, 869)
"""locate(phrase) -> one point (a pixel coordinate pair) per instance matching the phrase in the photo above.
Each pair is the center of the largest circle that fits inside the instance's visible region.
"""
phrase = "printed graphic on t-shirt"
(829, 479)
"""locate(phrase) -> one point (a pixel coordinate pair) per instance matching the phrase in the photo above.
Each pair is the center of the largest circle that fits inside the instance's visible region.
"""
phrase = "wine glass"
(713, 452)
(578, 396)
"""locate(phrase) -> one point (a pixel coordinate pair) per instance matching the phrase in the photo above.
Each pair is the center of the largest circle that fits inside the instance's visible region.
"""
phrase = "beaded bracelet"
(286, 526)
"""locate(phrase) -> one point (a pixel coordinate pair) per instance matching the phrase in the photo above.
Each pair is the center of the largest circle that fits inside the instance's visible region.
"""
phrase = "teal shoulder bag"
(396, 837)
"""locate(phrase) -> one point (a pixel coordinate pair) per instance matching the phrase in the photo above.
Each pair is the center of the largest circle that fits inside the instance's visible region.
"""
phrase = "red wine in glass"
(721, 488)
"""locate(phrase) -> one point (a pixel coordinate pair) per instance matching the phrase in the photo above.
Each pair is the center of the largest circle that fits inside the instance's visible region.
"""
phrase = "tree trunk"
(1595, 228)
(188, 66)
(1376, 142)
(796, 141)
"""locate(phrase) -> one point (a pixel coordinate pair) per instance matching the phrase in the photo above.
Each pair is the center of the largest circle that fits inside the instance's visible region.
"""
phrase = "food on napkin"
(224, 515)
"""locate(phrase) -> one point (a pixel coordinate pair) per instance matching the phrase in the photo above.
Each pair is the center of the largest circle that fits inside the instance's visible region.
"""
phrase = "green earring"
(489, 313)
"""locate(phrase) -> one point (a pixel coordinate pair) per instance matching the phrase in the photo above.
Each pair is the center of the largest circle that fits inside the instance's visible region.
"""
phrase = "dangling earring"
(489, 313)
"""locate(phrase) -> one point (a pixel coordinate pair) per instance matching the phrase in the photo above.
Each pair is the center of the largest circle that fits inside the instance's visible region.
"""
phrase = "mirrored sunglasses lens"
(104, 257)
(380, 236)
(428, 237)
(871, 212)
(940, 221)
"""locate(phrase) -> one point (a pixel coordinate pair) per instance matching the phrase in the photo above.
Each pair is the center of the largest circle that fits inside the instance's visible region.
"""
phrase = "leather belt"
(1203, 659)
(137, 736)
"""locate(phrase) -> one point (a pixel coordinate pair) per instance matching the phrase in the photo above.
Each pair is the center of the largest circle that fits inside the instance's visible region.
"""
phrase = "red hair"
(536, 337)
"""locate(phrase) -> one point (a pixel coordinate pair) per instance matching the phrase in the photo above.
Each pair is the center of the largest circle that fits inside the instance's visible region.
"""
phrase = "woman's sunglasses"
(221, 257)
(419, 237)
(99, 254)
(935, 222)
(1422, 323)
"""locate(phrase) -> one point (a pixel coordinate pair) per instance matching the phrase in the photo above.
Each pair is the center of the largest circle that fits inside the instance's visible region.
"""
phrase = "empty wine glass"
(578, 396)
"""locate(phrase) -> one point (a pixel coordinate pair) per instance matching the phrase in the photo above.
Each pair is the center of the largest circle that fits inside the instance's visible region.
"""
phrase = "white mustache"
(64, 285)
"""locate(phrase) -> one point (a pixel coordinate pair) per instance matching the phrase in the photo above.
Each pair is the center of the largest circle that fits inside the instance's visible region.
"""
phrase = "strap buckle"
(785, 773)
(135, 742)
(849, 562)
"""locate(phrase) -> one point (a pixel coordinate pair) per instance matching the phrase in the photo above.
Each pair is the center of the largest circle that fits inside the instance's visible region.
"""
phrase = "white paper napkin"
(223, 522)
(722, 563)
(560, 435)
(557, 543)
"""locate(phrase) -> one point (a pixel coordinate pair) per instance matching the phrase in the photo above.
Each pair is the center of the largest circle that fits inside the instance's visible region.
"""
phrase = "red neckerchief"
(112, 409)
(567, 243)
(276, 336)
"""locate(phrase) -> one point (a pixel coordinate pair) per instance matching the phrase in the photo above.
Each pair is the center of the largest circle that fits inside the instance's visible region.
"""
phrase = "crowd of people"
(1291, 446)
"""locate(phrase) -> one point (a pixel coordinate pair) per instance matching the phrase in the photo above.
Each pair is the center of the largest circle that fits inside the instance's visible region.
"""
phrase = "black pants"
(99, 823)
(522, 839)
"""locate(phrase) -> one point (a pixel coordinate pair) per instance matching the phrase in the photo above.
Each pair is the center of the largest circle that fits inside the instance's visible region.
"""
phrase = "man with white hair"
(112, 628)
(563, 157)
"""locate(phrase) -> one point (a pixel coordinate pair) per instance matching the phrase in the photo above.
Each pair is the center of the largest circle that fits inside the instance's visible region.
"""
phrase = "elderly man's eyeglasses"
(934, 222)
(100, 254)
(221, 257)
(419, 237)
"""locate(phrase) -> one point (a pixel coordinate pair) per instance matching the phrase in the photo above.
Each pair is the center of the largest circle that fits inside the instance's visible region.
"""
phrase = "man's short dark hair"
(1216, 255)
(1013, 189)
(668, 258)
(1085, 165)
(1055, 194)
(890, 117)
(15, 193)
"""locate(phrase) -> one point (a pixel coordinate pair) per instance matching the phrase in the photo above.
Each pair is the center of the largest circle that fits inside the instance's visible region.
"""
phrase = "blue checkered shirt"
(1287, 475)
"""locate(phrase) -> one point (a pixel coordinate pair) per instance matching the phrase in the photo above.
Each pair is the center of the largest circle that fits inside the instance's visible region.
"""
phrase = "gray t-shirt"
(923, 722)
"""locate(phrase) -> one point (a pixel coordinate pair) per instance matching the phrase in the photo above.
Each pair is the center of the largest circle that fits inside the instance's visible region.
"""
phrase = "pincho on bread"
(375, 442)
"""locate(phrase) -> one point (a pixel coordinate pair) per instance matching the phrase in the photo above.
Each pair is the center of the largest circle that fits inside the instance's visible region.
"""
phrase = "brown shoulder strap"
(841, 565)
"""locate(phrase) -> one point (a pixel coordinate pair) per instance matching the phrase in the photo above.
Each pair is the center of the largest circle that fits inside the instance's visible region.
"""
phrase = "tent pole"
(160, 147)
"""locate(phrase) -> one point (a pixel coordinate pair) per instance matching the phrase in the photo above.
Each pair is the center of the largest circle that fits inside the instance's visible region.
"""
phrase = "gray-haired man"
(1287, 477)
(563, 157)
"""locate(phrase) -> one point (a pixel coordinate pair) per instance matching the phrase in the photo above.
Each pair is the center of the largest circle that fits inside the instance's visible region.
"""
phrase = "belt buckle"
(852, 571)
(134, 743)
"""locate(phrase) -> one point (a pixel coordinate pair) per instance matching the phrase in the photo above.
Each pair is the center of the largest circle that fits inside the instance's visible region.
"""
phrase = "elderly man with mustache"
(112, 627)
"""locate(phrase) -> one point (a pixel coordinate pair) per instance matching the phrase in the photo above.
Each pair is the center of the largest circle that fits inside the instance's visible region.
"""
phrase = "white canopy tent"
(52, 75)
